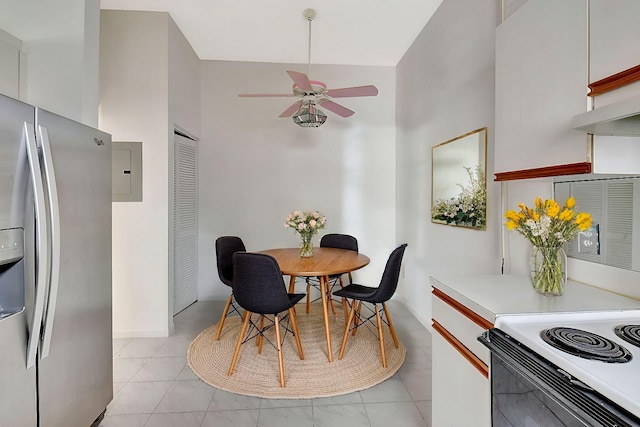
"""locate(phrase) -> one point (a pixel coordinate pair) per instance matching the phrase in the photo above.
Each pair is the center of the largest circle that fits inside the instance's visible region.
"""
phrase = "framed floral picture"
(458, 181)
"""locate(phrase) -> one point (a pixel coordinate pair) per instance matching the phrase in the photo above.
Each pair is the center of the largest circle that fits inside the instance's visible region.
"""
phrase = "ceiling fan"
(312, 93)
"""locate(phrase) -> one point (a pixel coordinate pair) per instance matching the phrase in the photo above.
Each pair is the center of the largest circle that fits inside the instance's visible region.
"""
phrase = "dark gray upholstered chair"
(259, 289)
(374, 296)
(333, 240)
(226, 246)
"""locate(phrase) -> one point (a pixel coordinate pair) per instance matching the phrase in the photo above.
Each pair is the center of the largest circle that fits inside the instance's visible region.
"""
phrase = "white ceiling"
(344, 32)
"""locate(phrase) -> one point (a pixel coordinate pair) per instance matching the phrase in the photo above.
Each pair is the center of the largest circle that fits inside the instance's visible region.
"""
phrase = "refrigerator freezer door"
(75, 379)
(18, 384)
(18, 402)
(14, 180)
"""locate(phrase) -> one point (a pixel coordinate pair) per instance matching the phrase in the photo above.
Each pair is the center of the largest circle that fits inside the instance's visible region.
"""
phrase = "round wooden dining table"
(324, 263)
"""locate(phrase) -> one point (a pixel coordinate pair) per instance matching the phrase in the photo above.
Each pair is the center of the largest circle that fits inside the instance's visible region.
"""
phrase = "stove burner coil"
(586, 345)
(629, 333)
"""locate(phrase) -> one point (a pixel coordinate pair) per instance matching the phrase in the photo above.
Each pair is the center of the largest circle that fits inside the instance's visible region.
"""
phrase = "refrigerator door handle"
(42, 249)
(54, 215)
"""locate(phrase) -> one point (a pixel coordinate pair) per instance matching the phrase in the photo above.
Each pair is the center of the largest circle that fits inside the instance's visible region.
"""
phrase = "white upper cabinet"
(9, 65)
(541, 83)
(614, 37)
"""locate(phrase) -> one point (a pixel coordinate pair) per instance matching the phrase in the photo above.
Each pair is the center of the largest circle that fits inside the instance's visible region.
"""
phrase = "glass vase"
(306, 245)
(548, 270)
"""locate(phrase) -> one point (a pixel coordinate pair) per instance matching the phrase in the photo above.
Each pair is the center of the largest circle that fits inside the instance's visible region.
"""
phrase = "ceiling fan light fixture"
(313, 93)
(309, 116)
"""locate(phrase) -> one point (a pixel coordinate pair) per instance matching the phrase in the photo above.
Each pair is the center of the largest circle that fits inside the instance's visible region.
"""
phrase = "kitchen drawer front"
(462, 324)
(461, 394)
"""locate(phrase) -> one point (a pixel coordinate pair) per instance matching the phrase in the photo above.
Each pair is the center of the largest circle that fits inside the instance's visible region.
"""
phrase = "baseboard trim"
(140, 334)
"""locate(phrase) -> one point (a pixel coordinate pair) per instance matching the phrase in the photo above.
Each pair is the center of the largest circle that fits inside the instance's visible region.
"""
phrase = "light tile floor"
(154, 387)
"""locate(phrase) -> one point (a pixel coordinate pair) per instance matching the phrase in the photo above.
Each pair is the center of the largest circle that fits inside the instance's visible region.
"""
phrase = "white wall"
(445, 88)
(255, 168)
(134, 107)
(91, 63)
(518, 249)
(60, 41)
(184, 113)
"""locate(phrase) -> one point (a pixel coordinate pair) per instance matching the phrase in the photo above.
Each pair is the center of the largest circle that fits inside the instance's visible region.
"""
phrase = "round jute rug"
(257, 374)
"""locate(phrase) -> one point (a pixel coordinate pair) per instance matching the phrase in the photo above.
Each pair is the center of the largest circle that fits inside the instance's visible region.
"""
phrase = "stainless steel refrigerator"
(55, 269)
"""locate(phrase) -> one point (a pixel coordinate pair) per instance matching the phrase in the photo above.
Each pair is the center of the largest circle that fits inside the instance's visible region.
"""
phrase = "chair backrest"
(340, 241)
(389, 281)
(258, 285)
(226, 246)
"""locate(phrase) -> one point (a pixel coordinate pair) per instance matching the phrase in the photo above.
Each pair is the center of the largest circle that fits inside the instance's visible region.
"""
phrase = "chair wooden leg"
(224, 316)
(346, 329)
(380, 337)
(345, 308)
(245, 324)
(279, 346)
(356, 320)
(333, 309)
(292, 284)
(391, 328)
(260, 338)
(344, 300)
(294, 326)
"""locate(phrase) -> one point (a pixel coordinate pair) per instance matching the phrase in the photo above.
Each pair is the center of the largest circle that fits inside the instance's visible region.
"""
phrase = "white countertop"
(491, 296)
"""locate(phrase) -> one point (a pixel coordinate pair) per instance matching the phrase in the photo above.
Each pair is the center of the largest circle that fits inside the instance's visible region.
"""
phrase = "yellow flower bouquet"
(548, 226)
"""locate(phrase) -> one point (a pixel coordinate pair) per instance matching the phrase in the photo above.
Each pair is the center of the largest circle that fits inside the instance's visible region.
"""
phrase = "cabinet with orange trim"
(464, 306)
(541, 78)
(460, 371)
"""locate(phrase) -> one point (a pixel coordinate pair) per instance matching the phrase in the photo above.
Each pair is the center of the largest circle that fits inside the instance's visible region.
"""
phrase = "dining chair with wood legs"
(259, 289)
(226, 246)
(377, 298)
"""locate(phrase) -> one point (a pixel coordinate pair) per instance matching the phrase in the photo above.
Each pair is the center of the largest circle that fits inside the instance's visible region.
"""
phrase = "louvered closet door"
(185, 223)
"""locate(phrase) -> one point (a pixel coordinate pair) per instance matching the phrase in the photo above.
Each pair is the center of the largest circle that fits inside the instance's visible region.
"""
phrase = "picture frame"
(458, 181)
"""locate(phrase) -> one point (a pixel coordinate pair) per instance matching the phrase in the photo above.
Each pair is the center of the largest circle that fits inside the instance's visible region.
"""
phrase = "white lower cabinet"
(461, 394)
(460, 384)
(462, 308)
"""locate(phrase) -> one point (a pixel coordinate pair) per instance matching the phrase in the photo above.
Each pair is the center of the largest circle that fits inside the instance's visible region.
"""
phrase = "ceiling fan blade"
(301, 80)
(336, 108)
(292, 109)
(265, 95)
(347, 92)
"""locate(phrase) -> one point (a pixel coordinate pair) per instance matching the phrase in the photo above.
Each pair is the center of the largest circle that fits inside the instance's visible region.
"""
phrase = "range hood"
(619, 118)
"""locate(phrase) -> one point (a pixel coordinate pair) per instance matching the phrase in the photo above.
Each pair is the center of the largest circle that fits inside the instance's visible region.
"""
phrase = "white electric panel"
(126, 171)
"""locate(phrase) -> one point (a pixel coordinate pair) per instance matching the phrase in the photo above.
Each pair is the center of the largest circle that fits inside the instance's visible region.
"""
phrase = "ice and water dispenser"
(11, 272)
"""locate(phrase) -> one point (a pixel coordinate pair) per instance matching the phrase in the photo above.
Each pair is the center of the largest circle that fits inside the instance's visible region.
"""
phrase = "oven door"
(528, 390)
